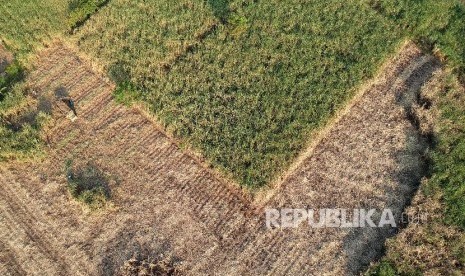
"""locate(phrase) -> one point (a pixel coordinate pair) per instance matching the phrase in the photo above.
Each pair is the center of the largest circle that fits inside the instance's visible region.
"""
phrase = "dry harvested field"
(166, 204)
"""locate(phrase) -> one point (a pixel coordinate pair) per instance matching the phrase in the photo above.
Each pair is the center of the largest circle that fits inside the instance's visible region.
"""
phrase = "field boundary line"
(265, 195)
(221, 176)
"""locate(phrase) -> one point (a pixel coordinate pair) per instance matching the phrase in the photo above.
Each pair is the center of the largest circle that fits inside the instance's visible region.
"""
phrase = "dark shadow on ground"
(220, 9)
(126, 252)
(61, 94)
(365, 245)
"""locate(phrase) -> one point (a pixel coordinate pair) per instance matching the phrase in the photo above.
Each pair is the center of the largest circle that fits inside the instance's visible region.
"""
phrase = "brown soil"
(165, 203)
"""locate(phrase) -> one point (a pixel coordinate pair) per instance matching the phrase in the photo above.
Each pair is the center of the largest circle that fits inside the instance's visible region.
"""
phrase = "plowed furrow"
(82, 92)
(258, 245)
(121, 148)
(114, 116)
(189, 189)
(55, 72)
(9, 260)
(283, 265)
(61, 154)
(46, 63)
(80, 88)
(146, 136)
(26, 220)
(86, 98)
(165, 172)
(74, 75)
(98, 122)
(230, 222)
(230, 225)
(186, 186)
(87, 93)
(16, 236)
(131, 150)
(154, 161)
(157, 162)
(273, 254)
(203, 193)
(61, 130)
(216, 193)
(98, 104)
(81, 78)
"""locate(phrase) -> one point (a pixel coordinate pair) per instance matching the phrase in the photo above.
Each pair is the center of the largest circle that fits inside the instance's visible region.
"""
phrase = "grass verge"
(19, 126)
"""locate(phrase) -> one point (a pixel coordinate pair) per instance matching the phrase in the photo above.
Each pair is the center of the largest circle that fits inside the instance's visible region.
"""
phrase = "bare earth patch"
(166, 203)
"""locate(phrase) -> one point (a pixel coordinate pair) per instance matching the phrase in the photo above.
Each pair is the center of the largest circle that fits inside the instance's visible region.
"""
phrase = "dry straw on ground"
(166, 203)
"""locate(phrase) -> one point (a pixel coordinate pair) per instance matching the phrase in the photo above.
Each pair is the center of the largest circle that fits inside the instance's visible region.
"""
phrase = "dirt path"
(165, 203)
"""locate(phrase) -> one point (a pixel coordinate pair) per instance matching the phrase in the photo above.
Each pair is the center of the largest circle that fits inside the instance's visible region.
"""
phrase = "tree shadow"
(30, 117)
(61, 92)
(220, 9)
(45, 105)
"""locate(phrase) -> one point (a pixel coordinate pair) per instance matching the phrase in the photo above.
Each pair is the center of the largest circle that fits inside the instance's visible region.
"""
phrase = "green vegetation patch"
(135, 39)
(81, 10)
(25, 24)
(252, 91)
(88, 184)
(13, 73)
(433, 24)
(19, 128)
(384, 268)
(449, 154)
(21, 143)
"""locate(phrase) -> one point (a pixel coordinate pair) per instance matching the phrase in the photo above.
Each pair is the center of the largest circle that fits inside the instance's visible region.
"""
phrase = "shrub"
(119, 73)
(13, 74)
(88, 184)
(384, 268)
(148, 266)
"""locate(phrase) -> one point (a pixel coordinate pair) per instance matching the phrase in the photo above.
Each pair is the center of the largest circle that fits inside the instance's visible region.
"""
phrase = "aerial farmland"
(232, 137)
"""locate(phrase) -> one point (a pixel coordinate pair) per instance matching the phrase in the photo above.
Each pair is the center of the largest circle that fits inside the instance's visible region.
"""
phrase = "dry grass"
(166, 203)
(147, 267)
(431, 247)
